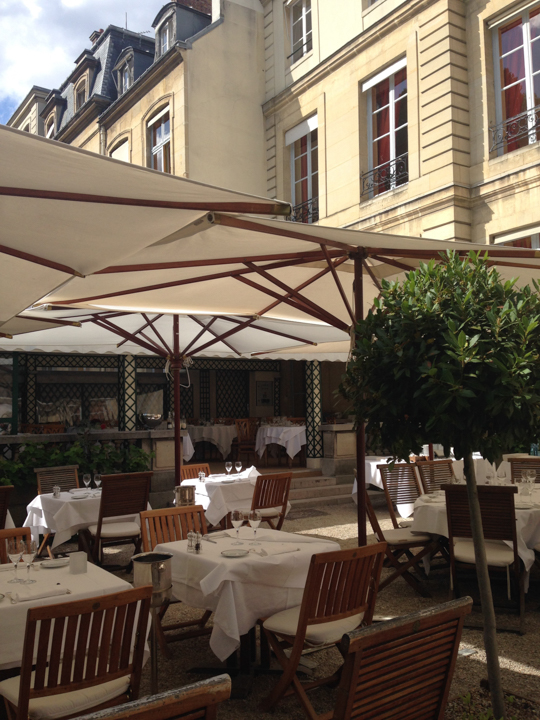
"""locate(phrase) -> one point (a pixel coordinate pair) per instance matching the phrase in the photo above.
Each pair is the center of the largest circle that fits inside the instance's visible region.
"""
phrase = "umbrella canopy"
(66, 212)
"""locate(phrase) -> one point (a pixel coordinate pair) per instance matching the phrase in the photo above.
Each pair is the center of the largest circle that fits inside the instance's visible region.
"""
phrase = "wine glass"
(237, 519)
(238, 466)
(228, 467)
(30, 550)
(501, 475)
(14, 548)
(97, 480)
(489, 475)
(254, 518)
(87, 479)
(531, 476)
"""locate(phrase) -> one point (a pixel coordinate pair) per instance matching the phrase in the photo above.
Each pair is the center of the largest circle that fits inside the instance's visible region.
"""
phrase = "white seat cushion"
(405, 536)
(69, 703)
(117, 529)
(286, 623)
(405, 523)
(265, 512)
(498, 553)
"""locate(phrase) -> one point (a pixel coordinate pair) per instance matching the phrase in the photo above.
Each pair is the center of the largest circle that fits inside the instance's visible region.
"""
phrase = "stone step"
(311, 481)
(322, 500)
(320, 491)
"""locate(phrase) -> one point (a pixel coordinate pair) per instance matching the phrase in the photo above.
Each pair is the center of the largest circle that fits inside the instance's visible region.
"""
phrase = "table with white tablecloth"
(221, 436)
(93, 583)
(241, 590)
(290, 437)
(220, 494)
(65, 515)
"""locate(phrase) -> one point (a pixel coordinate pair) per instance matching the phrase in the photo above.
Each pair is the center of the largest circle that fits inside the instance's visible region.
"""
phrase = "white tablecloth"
(241, 590)
(187, 447)
(291, 438)
(218, 497)
(430, 517)
(219, 435)
(13, 617)
(64, 516)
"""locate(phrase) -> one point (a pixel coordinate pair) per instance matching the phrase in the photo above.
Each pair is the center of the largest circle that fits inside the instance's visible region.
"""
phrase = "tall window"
(125, 78)
(49, 127)
(80, 96)
(159, 129)
(165, 36)
(517, 72)
(301, 34)
(303, 141)
(387, 131)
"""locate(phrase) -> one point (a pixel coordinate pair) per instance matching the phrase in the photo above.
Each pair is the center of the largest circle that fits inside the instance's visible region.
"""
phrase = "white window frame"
(165, 32)
(81, 87)
(306, 9)
(49, 127)
(524, 14)
(388, 72)
(154, 150)
(301, 130)
(125, 71)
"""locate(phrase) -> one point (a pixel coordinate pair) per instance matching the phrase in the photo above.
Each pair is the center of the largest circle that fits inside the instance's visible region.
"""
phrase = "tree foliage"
(449, 356)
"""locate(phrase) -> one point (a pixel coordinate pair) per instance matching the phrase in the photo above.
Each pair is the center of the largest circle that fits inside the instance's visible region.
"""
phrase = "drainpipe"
(102, 140)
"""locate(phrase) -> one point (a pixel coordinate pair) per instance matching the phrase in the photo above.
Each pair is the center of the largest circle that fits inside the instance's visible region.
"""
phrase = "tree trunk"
(486, 598)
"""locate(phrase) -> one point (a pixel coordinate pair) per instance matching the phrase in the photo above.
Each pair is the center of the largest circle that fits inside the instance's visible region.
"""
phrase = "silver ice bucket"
(154, 568)
(184, 495)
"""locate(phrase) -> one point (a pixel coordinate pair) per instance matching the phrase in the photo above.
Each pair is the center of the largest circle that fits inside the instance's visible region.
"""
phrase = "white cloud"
(42, 38)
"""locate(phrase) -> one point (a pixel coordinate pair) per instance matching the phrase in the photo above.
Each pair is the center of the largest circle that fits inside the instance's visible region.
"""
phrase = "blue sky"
(42, 38)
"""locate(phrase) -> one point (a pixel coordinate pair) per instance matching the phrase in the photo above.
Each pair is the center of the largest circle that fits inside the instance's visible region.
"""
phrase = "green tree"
(451, 356)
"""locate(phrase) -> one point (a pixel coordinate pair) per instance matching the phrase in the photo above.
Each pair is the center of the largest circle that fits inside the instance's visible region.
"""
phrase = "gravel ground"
(519, 655)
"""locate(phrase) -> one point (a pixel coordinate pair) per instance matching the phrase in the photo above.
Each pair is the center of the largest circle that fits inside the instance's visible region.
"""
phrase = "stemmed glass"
(14, 548)
(97, 480)
(501, 476)
(489, 475)
(228, 467)
(87, 479)
(254, 518)
(237, 518)
(30, 550)
(238, 466)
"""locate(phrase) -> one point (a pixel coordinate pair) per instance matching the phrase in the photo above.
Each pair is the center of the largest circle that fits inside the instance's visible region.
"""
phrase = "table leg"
(239, 665)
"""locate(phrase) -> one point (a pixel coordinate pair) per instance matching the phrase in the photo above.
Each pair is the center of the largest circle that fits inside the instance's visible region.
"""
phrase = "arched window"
(159, 141)
(49, 127)
(80, 95)
(166, 36)
(121, 151)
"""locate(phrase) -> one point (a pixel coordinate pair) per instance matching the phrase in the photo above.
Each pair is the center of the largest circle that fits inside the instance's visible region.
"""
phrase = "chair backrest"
(224, 421)
(189, 472)
(124, 494)
(401, 669)
(341, 584)
(199, 700)
(22, 533)
(377, 530)
(517, 465)
(246, 430)
(297, 420)
(65, 476)
(400, 484)
(272, 491)
(434, 473)
(5, 492)
(171, 524)
(77, 645)
(496, 507)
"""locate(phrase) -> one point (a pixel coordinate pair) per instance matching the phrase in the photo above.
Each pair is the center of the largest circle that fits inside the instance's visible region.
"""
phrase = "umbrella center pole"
(176, 366)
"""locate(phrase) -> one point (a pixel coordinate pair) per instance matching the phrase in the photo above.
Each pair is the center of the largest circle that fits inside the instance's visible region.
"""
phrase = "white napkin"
(26, 595)
(281, 549)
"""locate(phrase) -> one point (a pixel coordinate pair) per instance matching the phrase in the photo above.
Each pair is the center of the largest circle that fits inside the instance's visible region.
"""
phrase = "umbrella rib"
(272, 332)
(338, 283)
(394, 263)
(152, 341)
(235, 207)
(108, 325)
(136, 331)
(233, 331)
(167, 348)
(508, 251)
(39, 260)
(204, 328)
(56, 321)
(218, 337)
(371, 275)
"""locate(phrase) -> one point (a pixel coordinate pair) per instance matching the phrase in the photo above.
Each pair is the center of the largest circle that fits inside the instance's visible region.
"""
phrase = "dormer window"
(80, 95)
(125, 79)
(166, 36)
(49, 127)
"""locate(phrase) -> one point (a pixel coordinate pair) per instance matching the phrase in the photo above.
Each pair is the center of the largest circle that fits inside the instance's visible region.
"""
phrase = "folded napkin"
(26, 595)
(281, 549)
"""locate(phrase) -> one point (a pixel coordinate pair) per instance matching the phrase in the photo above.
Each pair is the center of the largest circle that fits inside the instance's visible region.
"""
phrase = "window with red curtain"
(305, 175)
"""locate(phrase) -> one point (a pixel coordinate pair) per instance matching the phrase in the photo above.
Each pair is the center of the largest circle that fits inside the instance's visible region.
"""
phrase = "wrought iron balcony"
(386, 177)
(516, 132)
(306, 212)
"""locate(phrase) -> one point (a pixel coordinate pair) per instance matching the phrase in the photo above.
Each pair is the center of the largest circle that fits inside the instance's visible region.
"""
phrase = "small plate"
(235, 553)
(56, 563)
(80, 496)
(227, 482)
(76, 491)
(520, 505)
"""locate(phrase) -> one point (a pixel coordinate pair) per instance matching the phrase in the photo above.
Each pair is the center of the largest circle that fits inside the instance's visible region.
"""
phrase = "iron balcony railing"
(306, 212)
(516, 132)
(386, 177)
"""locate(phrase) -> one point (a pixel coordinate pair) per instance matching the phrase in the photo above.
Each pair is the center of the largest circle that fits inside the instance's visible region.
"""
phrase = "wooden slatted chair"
(95, 657)
(518, 465)
(499, 525)
(199, 700)
(401, 669)
(401, 486)
(246, 434)
(66, 477)
(339, 596)
(164, 526)
(22, 533)
(122, 494)
(271, 497)
(191, 472)
(400, 543)
(5, 493)
(435, 473)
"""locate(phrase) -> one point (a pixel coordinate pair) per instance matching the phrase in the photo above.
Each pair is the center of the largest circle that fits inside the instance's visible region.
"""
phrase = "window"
(159, 129)
(121, 151)
(166, 36)
(516, 48)
(125, 79)
(301, 35)
(387, 131)
(49, 127)
(80, 96)
(303, 141)
(524, 238)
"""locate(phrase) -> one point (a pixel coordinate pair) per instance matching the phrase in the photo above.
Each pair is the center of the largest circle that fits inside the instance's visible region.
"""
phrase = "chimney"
(94, 37)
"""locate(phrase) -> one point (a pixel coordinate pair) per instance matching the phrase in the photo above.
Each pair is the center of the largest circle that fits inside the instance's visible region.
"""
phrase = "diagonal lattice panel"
(313, 409)
(232, 393)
